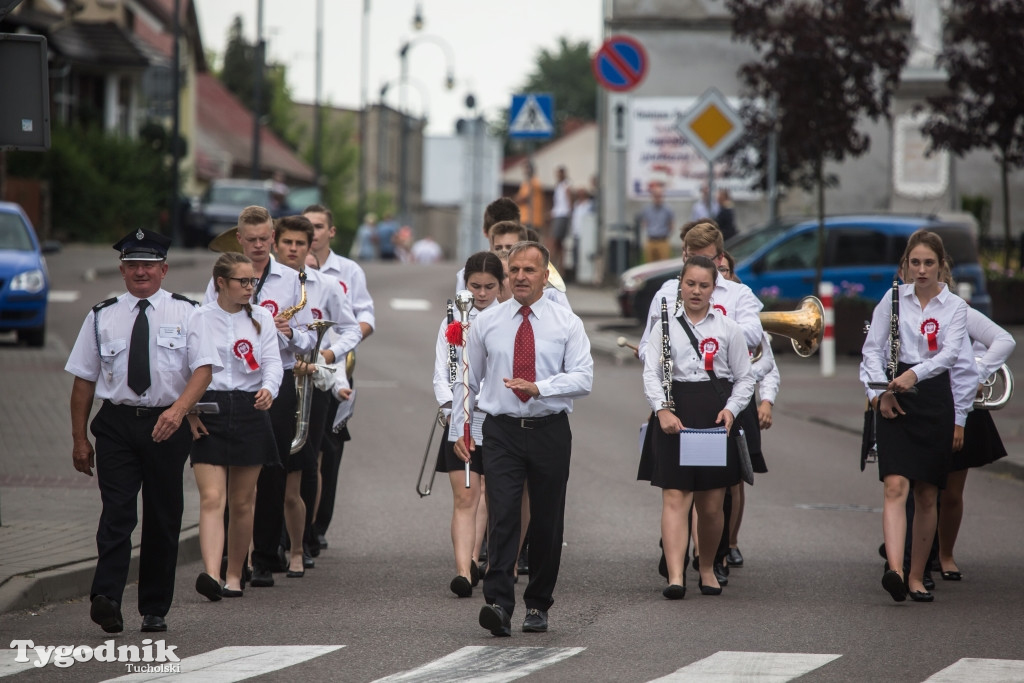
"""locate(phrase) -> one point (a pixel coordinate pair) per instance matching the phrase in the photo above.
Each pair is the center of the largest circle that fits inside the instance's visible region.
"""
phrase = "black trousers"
(268, 517)
(127, 461)
(333, 446)
(307, 488)
(537, 455)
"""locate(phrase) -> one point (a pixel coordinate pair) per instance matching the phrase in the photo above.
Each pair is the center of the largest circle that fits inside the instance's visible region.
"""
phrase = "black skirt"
(447, 461)
(697, 406)
(919, 445)
(751, 425)
(982, 444)
(240, 435)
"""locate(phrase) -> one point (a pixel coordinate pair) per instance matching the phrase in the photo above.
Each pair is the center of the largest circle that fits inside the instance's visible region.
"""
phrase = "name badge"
(170, 330)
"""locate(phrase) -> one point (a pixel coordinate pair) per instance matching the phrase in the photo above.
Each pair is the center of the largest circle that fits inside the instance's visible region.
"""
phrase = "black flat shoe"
(474, 574)
(261, 578)
(928, 581)
(151, 623)
(735, 557)
(674, 592)
(307, 561)
(921, 596)
(708, 590)
(106, 613)
(292, 574)
(951, 576)
(461, 586)
(721, 573)
(230, 593)
(494, 619)
(208, 587)
(893, 582)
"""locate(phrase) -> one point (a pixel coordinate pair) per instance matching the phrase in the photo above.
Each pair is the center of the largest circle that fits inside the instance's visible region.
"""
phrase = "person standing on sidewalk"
(657, 219)
(528, 358)
(561, 211)
(146, 355)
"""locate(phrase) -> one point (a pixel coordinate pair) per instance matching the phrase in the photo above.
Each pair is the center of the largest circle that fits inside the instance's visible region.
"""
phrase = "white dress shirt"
(990, 347)
(328, 301)
(442, 387)
(946, 308)
(281, 290)
(233, 334)
(731, 360)
(178, 345)
(564, 367)
(766, 372)
(353, 281)
(732, 299)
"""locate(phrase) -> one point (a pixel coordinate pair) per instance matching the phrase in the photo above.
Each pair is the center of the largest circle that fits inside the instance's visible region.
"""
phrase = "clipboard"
(703, 447)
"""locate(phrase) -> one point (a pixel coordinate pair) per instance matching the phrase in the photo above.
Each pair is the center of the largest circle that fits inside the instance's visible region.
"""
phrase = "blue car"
(778, 260)
(24, 281)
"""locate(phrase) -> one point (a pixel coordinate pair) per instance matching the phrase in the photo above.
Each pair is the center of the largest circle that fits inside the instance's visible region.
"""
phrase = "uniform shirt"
(281, 290)
(990, 346)
(178, 346)
(766, 372)
(563, 363)
(442, 387)
(946, 309)
(239, 344)
(732, 299)
(731, 360)
(328, 301)
(353, 281)
(549, 293)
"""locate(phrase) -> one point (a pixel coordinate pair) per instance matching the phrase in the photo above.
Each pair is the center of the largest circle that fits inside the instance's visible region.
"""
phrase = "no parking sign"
(620, 63)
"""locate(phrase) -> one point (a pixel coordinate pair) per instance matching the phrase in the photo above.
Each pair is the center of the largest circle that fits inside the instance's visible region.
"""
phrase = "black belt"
(137, 411)
(528, 422)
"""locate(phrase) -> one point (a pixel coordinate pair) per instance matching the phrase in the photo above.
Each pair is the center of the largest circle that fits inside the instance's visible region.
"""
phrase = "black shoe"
(928, 581)
(474, 574)
(461, 586)
(494, 619)
(921, 596)
(721, 573)
(152, 623)
(674, 592)
(735, 557)
(708, 590)
(536, 621)
(950, 576)
(282, 561)
(292, 574)
(321, 541)
(261, 578)
(230, 593)
(307, 561)
(106, 613)
(893, 582)
(208, 587)
(313, 549)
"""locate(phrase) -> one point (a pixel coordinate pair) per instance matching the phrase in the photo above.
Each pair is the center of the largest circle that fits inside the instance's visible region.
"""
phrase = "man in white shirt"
(145, 355)
(536, 355)
(561, 209)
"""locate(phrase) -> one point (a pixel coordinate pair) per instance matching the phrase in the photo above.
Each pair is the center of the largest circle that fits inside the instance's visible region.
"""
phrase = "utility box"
(25, 84)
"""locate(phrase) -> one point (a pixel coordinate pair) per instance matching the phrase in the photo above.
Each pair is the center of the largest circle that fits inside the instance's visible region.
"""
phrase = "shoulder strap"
(96, 323)
(103, 304)
(182, 297)
(711, 373)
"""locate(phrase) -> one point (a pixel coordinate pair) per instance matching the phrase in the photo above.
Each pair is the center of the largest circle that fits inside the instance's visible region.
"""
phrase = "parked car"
(861, 250)
(217, 210)
(24, 280)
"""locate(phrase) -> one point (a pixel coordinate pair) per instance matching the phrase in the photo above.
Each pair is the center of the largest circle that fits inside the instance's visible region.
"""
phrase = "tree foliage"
(824, 65)
(984, 108)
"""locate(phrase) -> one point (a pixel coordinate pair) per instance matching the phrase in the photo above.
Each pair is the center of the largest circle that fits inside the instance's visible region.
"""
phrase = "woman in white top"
(485, 277)
(698, 405)
(233, 444)
(919, 430)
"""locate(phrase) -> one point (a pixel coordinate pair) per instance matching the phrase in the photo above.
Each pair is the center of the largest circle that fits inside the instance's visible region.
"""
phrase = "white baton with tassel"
(464, 302)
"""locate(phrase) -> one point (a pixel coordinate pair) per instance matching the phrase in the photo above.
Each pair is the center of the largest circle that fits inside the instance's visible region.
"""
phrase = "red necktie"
(524, 357)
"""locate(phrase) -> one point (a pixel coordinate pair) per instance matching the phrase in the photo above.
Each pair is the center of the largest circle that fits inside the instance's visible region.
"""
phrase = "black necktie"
(138, 352)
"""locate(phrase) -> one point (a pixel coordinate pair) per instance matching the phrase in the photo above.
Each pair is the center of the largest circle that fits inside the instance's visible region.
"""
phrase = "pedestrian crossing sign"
(531, 116)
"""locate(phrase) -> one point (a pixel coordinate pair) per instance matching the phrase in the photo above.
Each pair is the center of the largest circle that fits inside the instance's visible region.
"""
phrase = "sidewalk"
(49, 511)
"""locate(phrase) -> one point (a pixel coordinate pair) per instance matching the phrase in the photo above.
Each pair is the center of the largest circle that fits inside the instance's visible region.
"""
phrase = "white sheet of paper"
(703, 447)
(643, 435)
(477, 430)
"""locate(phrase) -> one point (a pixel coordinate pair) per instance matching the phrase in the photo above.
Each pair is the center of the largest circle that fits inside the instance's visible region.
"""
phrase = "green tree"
(984, 108)
(825, 65)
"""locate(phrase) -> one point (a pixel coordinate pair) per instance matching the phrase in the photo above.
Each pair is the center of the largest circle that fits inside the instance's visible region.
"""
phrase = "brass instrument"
(226, 242)
(292, 310)
(453, 376)
(986, 399)
(303, 385)
(666, 359)
(805, 327)
(555, 278)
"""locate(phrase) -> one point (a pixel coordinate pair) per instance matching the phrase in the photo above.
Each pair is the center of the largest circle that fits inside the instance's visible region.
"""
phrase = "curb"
(73, 581)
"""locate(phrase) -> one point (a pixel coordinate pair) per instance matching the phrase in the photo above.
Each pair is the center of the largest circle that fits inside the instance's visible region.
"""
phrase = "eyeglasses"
(725, 271)
(246, 281)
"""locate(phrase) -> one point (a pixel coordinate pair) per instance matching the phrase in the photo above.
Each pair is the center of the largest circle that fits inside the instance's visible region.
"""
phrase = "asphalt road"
(811, 584)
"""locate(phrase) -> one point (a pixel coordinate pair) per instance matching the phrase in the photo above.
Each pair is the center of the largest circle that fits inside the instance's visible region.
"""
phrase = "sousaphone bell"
(805, 327)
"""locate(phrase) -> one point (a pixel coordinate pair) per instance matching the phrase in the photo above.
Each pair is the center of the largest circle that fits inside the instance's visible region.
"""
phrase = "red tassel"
(454, 334)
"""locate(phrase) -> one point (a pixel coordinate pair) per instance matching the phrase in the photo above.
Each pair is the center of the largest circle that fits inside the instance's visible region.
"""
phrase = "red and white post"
(828, 342)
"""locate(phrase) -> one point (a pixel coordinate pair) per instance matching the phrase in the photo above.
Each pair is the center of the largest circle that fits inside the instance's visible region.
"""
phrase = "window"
(797, 253)
(14, 233)
(858, 247)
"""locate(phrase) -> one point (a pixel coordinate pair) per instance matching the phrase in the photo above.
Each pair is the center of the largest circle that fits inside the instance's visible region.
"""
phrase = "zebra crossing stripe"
(981, 671)
(485, 664)
(228, 664)
(763, 667)
(9, 667)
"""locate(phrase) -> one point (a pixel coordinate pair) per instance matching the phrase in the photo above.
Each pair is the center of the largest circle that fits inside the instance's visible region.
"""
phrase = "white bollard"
(828, 342)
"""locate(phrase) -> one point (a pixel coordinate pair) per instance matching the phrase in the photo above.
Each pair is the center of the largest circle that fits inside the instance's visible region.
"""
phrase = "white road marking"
(9, 667)
(63, 296)
(228, 664)
(410, 305)
(981, 671)
(759, 667)
(485, 664)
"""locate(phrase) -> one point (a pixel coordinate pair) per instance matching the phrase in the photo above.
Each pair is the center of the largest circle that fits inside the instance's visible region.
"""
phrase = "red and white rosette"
(343, 285)
(721, 309)
(243, 350)
(271, 306)
(930, 329)
(317, 313)
(708, 348)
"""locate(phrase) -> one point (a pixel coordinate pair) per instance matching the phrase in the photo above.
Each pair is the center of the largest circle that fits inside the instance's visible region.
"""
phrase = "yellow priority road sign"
(711, 125)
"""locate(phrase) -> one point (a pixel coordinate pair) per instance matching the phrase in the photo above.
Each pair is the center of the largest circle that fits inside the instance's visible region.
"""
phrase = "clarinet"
(666, 359)
(453, 351)
(894, 332)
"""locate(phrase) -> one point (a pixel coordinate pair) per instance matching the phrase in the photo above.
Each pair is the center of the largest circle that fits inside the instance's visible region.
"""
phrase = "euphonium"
(303, 385)
(805, 326)
(985, 400)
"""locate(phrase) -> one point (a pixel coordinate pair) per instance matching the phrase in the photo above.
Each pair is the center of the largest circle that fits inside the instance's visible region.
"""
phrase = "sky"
(493, 47)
